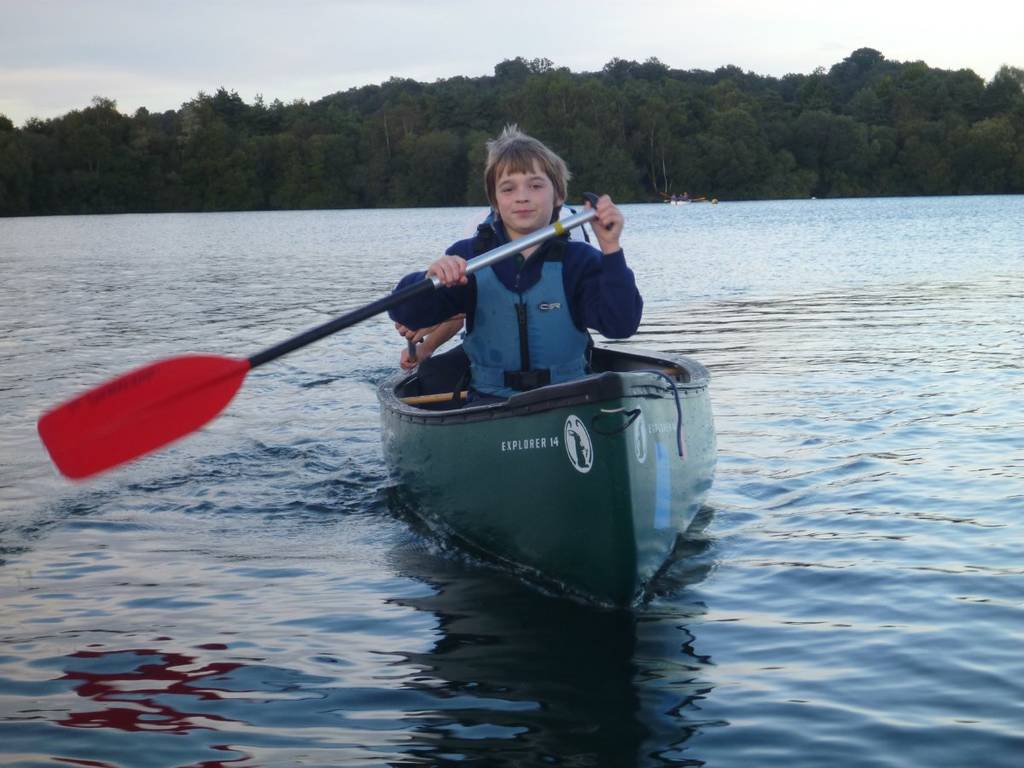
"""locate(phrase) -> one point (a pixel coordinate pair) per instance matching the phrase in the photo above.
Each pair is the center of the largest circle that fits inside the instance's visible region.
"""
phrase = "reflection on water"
(512, 677)
(569, 696)
(470, 664)
(587, 686)
(127, 687)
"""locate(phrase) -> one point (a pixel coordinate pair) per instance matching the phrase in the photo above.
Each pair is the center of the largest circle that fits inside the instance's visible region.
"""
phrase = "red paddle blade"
(139, 412)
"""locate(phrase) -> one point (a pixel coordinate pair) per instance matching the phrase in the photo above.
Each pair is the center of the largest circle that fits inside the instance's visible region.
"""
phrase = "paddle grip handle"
(591, 198)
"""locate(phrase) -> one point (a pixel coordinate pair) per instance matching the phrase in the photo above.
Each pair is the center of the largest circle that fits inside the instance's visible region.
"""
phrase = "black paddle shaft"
(342, 322)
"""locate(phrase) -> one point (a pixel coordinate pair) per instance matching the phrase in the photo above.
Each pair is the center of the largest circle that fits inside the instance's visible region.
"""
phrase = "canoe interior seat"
(441, 382)
(438, 375)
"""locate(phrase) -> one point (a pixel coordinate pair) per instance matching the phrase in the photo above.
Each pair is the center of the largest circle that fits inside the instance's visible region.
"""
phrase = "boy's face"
(526, 201)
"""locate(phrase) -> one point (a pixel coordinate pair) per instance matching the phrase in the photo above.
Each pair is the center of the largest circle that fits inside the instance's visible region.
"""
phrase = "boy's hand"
(422, 353)
(609, 224)
(450, 270)
(415, 336)
(428, 339)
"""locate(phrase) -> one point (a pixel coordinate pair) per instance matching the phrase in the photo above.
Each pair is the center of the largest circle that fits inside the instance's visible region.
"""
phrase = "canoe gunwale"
(645, 377)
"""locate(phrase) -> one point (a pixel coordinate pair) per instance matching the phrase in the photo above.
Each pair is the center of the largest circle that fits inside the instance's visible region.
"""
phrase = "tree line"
(867, 126)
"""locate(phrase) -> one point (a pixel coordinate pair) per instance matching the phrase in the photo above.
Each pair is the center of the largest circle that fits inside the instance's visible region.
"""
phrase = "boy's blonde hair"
(515, 152)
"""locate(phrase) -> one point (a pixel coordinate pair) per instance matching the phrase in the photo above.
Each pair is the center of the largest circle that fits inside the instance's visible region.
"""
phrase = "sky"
(56, 55)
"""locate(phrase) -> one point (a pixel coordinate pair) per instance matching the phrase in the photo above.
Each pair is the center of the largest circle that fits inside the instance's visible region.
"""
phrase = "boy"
(527, 316)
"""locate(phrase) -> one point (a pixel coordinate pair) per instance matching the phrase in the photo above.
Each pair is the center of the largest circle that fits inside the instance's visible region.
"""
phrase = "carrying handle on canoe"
(147, 408)
(629, 416)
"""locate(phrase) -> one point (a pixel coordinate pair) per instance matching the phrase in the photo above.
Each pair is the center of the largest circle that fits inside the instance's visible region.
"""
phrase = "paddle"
(149, 407)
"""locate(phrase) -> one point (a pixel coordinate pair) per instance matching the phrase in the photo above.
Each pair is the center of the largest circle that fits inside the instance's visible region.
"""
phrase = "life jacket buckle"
(524, 380)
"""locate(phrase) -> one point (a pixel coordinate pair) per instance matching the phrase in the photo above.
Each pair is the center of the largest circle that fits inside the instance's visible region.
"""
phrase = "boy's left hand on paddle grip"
(591, 199)
(611, 223)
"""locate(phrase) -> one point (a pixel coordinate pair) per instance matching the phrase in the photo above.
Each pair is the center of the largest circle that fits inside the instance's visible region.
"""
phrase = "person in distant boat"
(527, 317)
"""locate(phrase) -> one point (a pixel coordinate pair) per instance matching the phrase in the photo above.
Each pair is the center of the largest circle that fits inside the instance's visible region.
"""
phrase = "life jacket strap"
(524, 336)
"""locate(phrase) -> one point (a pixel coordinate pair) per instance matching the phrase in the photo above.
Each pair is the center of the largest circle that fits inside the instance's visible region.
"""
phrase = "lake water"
(853, 594)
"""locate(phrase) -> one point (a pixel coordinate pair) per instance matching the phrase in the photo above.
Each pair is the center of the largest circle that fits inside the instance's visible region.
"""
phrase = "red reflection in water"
(219, 763)
(133, 690)
(90, 763)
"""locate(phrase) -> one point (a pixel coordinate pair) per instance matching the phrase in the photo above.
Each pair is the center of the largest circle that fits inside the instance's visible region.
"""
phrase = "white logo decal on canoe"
(578, 445)
(640, 439)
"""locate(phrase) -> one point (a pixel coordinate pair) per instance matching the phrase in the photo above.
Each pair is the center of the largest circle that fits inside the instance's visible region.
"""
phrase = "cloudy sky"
(56, 55)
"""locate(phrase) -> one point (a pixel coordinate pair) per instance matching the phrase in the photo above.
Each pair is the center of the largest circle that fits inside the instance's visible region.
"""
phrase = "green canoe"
(584, 486)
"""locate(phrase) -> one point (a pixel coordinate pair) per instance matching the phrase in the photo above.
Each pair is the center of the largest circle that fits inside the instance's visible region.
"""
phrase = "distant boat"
(684, 198)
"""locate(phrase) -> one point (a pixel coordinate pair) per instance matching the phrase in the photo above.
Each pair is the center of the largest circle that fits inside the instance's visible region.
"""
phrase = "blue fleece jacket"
(601, 289)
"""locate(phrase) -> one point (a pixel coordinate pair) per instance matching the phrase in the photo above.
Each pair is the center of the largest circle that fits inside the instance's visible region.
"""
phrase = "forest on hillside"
(867, 126)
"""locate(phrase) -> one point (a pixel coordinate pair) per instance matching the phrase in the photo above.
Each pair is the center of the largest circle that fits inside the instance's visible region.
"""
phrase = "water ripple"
(850, 596)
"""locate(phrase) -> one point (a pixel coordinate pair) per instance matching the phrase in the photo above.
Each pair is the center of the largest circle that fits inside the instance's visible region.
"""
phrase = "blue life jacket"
(524, 339)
